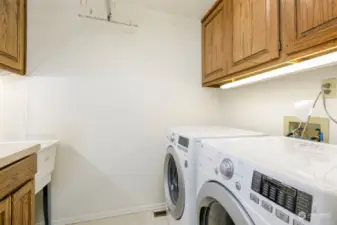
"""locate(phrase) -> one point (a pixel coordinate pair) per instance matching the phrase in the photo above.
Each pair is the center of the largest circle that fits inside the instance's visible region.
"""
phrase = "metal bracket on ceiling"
(108, 8)
(109, 15)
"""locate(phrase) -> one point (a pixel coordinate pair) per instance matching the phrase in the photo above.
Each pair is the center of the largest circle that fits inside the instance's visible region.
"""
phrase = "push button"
(267, 206)
(238, 186)
(281, 215)
(254, 198)
(296, 222)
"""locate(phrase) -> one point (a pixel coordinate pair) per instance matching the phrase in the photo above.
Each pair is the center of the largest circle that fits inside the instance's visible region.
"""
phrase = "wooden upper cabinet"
(213, 43)
(252, 33)
(13, 35)
(23, 205)
(5, 212)
(309, 23)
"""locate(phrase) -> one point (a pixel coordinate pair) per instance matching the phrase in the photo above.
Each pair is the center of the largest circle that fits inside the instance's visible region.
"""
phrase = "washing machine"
(266, 181)
(180, 168)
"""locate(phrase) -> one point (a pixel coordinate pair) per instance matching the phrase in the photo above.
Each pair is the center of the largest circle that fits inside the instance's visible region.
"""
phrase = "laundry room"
(105, 106)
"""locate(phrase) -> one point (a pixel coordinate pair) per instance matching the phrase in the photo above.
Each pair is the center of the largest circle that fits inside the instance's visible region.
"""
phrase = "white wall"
(262, 106)
(108, 93)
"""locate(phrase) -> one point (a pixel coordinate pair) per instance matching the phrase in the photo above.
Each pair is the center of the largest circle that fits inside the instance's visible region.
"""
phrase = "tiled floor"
(144, 218)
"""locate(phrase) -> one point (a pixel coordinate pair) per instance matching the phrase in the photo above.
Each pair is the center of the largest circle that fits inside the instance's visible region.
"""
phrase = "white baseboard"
(108, 214)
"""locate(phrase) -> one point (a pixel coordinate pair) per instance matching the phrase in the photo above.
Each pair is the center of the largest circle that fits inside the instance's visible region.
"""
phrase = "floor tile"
(144, 218)
(161, 221)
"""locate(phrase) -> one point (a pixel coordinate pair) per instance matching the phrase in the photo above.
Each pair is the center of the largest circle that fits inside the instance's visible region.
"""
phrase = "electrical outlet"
(333, 87)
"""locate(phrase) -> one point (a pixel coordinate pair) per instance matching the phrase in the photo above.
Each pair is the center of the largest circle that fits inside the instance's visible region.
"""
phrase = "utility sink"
(45, 164)
(45, 159)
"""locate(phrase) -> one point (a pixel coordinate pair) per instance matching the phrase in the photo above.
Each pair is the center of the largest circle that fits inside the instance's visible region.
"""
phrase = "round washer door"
(217, 206)
(174, 184)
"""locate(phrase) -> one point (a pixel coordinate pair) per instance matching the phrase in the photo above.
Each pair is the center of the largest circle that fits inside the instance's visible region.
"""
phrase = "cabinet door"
(13, 35)
(309, 23)
(5, 212)
(213, 44)
(252, 33)
(23, 205)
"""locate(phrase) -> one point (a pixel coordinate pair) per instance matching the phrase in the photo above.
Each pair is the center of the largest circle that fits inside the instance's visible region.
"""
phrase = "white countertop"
(43, 143)
(11, 152)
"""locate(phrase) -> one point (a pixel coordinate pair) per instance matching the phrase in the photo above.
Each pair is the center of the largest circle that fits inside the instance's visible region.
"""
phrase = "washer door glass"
(218, 206)
(174, 184)
(172, 180)
(215, 214)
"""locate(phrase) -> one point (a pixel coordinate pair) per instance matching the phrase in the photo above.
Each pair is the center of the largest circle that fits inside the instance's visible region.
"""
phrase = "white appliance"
(180, 168)
(267, 181)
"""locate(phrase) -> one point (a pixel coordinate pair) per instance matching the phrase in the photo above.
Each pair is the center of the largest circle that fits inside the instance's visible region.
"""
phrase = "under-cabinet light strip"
(321, 61)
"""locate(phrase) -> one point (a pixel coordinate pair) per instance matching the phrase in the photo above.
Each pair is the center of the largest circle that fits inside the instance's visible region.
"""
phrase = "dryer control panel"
(292, 199)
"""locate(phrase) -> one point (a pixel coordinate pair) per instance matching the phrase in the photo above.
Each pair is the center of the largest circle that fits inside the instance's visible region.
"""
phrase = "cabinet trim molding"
(304, 34)
(13, 52)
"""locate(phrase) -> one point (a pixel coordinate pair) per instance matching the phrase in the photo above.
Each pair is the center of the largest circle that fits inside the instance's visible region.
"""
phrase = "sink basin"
(45, 164)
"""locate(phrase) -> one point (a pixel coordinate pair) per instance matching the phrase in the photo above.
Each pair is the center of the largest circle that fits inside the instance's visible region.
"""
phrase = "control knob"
(227, 168)
(172, 138)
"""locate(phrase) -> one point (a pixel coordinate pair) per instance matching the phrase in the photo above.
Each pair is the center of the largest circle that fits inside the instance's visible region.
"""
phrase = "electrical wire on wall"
(326, 110)
(293, 133)
(325, 89)
(310, 113)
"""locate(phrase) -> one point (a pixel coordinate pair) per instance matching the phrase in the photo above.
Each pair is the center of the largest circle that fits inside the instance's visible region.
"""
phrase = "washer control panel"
(292, 199)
